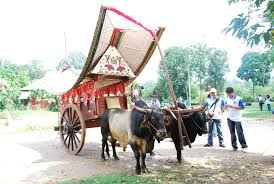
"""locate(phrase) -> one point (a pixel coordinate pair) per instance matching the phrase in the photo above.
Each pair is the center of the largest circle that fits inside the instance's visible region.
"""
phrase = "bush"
(248, 99)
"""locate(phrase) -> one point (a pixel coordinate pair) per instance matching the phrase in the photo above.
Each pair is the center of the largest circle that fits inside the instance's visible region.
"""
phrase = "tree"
(269, 55)
(199, 59)
(149, 86)
(206, 67)
(254, 25)
(217, 69)
(256, 68)
(74, 60)
(15, 78)
(175, 58)
(35, 69)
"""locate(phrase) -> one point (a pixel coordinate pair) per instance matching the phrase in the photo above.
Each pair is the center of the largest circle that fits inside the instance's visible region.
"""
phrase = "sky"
(34, 29)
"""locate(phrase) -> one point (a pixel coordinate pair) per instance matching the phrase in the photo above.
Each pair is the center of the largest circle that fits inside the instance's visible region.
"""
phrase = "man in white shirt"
(215, 105)
(234, 107)
(261, 102)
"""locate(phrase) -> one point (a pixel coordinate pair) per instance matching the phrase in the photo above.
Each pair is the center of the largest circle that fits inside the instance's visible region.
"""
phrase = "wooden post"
(172, 93)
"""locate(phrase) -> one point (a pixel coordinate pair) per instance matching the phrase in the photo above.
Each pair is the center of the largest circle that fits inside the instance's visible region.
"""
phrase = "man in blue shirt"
(215, 105)
(234, 107)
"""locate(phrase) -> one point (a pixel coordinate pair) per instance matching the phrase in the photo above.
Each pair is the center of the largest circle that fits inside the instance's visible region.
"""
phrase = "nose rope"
(197, 124)
(151, 125)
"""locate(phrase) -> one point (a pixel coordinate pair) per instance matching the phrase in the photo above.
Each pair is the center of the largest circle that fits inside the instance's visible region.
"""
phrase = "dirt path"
(38, 157)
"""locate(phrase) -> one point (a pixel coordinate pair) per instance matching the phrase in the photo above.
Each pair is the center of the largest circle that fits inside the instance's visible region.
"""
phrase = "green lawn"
(254, 112)
(112, 179)
(43, 113)
(176, 175)
(30, 120)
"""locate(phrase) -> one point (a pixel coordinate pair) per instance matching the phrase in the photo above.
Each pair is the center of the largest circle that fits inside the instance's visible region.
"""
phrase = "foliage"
(74, 60)
(54, 103)
(248, 99)
(177, 67)
(244, 89)
(254, 25)
(53, 100)
(269, 56)
(198, 56)
(207, 67)
(149, 87)
(34, 70)
(15, 78)
(217, 69)
(256, 67)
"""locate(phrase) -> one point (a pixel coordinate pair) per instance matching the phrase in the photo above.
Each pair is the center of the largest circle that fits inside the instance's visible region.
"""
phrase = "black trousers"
(233, 127)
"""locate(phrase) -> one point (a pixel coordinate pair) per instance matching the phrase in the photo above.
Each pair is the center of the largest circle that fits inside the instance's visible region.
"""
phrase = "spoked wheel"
(72, 129)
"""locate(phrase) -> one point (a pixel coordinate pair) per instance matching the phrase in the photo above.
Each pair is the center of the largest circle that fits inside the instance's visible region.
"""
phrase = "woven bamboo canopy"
(134, 42)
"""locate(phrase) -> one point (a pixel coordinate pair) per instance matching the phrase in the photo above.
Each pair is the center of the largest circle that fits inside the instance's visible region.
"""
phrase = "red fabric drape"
(130, 19)
(87, 91)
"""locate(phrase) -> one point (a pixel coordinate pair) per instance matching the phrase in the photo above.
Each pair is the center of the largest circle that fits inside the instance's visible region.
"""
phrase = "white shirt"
(268, 100)
(232, 113)
(260, 98)
(218, 109)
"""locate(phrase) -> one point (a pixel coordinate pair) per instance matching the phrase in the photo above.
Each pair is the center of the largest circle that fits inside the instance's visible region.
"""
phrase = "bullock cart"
(120, 49)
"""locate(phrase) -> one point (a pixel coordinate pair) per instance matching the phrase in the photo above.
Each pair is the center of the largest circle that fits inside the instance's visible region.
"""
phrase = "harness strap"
(194, 122)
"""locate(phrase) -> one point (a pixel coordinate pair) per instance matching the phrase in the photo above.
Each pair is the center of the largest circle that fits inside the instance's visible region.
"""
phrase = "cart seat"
(113, 102)
(110, 102)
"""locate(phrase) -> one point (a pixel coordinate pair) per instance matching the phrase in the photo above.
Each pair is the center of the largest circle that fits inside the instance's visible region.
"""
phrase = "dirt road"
(39, 157)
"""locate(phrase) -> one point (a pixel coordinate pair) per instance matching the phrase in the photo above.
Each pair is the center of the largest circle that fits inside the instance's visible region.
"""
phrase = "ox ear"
(145, 124)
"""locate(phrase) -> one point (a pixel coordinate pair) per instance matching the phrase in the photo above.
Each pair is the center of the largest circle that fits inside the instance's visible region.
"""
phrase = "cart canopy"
(120, 49)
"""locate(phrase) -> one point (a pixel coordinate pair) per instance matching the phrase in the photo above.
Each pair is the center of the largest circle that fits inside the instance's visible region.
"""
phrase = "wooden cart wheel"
(72, 129)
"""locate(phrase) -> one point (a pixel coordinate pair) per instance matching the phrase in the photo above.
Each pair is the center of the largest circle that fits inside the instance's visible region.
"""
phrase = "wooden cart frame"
(83, 104)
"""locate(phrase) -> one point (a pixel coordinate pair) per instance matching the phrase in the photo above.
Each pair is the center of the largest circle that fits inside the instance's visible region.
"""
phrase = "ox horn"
(186, 111)
(165, 108)
(139, 109)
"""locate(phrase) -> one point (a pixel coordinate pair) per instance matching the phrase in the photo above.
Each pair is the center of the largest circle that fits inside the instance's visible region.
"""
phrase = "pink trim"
(130, 19)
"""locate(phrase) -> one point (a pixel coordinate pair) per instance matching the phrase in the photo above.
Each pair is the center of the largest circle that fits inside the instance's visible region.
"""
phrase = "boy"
(234, 107)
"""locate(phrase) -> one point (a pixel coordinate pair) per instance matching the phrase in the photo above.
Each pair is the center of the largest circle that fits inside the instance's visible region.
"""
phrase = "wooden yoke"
(180, 120)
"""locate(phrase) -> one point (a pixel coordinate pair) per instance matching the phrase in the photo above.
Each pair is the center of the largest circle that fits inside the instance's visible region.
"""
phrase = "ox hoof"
(103, 159)
(145, 170)
(138, 171)
(116, 158)
(152, 154)
(180, 161)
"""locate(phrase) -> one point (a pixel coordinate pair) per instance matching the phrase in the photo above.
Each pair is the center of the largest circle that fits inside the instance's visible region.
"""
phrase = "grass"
(174, 175)
(241, 171)
(112, 179)
(253, 111)
(162, 176)
(42, 113)
(30, 120)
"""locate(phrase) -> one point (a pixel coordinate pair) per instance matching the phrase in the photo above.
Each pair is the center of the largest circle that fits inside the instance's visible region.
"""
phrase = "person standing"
(234, 107)
(215, 105)
(268, 102)
(261, 102)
